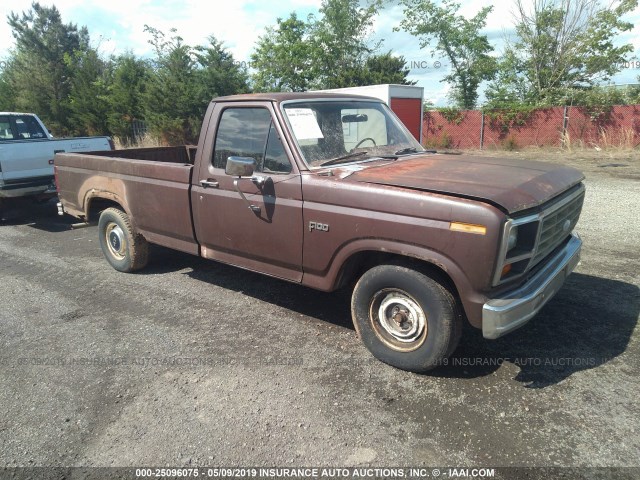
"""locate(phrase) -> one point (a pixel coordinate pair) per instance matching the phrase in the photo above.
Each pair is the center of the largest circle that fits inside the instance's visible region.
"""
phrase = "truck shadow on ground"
(40, 215)
(333, 307)
(587, 324)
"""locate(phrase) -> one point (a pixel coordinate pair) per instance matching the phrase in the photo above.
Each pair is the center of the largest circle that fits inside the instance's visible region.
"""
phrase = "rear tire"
(124, 248)
(405, 318)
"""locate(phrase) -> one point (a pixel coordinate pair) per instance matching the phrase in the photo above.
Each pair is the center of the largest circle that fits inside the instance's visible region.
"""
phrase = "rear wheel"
(123, 248)
(405, 318)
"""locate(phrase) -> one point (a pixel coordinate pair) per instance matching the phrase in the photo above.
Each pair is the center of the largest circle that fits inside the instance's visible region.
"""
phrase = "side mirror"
(240, 166)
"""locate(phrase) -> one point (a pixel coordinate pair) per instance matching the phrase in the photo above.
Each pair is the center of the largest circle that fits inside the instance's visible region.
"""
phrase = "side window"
(5, 129)
(275, 158)
(242, 132)
(28, 128)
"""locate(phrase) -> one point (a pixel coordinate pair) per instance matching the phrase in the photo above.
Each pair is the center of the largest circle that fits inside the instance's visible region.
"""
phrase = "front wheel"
(123, 248)
(405, 318)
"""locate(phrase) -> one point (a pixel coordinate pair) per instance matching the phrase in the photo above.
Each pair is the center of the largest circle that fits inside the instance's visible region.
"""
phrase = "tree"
(7, 96)
(330, 50)
(282, 57)
(39, 77)
(562, 46)
(90, 77)
(508, 88)
(387, 68)
(338, 39)
(218, 73)
(183, 81)
(377, 69)
(170, 97)
(126, 93)
(458, 39)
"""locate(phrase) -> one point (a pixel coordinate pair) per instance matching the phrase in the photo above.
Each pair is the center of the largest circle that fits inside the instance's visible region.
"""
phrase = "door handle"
(209, 184)
(258, 180)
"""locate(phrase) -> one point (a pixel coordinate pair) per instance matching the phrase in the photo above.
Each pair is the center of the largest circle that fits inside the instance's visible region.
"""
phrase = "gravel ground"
(195, 363)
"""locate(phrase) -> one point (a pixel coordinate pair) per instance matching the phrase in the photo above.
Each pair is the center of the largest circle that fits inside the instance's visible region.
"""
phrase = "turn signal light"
(468, 228)
(505, 270)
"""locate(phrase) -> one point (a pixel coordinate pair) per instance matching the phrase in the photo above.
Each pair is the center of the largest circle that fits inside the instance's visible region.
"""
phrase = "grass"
(147, 140)
(608, 139)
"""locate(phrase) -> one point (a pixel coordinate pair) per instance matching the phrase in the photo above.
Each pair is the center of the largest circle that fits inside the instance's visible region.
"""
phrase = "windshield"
(343, 131)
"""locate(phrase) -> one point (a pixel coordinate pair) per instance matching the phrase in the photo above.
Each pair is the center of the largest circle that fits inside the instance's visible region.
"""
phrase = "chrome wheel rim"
(398, 319)
(116, 241)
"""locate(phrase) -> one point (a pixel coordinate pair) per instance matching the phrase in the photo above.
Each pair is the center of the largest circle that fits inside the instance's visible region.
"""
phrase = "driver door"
(264, 231)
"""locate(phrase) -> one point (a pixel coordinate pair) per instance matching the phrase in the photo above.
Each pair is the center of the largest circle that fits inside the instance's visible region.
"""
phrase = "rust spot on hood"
(511, 184)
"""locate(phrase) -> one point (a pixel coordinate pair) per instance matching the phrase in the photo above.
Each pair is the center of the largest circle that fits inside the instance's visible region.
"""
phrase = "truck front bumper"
(515, 308)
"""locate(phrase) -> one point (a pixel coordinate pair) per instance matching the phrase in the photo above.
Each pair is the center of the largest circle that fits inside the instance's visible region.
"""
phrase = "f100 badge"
(321, 227)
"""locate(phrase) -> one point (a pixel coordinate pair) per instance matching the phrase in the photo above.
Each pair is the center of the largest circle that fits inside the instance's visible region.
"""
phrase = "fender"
(328, 281)
(92, 188)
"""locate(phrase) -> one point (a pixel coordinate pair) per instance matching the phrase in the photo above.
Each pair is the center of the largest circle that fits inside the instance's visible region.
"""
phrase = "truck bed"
(151, 184)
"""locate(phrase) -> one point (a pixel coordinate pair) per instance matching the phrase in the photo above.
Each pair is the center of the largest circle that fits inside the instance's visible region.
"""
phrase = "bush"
(510, 144)
(443, 141)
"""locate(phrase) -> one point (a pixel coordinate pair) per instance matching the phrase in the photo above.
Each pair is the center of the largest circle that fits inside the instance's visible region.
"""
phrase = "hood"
(511, 184)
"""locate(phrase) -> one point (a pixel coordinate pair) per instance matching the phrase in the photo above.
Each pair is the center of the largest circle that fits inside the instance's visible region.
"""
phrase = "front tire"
(122, 246)
(405, 318)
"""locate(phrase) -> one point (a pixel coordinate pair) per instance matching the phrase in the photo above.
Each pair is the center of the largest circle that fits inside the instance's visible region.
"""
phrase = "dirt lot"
(196, 363)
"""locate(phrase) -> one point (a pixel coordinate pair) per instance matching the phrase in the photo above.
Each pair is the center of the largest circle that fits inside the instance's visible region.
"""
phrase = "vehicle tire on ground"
(405, 318)
(123, 247)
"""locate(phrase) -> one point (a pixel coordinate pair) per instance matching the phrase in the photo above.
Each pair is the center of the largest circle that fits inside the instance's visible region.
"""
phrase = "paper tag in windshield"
(304, 123)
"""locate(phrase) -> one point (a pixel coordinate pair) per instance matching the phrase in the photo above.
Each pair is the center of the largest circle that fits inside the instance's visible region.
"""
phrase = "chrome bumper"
(515, 308)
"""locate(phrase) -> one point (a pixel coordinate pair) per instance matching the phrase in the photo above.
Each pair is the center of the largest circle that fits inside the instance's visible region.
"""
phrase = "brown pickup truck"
(331, 190)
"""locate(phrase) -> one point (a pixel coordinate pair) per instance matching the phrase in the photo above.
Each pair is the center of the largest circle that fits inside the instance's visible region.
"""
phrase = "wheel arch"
(353, 259)
(96, 202)
(361, 261)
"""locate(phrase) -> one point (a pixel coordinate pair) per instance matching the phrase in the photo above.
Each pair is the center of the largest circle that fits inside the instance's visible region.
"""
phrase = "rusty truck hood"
(512, 184)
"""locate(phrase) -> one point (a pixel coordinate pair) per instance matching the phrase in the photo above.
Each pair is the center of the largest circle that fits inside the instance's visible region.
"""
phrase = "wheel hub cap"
(116, 240)
(401, 317)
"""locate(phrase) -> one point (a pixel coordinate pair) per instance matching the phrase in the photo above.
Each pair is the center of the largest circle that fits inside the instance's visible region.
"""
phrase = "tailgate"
(26, 160)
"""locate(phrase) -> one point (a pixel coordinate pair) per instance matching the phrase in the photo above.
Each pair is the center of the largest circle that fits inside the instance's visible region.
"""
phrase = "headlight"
(513, 239)
(516, 247)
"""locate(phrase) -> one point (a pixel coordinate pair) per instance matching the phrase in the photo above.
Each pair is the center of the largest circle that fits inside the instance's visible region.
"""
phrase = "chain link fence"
(603, 127)
(139, 129)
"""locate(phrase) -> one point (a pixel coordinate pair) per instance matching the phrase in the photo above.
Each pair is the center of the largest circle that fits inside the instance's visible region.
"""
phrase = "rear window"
(5, 129)
(20, 127)
(27, 127)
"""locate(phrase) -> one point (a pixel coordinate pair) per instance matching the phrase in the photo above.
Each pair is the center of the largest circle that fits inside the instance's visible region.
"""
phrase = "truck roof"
(285, 96)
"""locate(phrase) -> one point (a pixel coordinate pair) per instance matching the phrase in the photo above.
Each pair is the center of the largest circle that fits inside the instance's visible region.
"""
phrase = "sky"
(116, 26)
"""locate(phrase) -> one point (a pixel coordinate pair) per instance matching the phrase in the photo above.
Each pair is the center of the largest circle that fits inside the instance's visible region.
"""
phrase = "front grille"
(554, 227)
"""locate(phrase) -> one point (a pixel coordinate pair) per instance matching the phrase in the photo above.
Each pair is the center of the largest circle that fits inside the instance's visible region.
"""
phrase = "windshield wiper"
(406, 150)
(341, 159)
